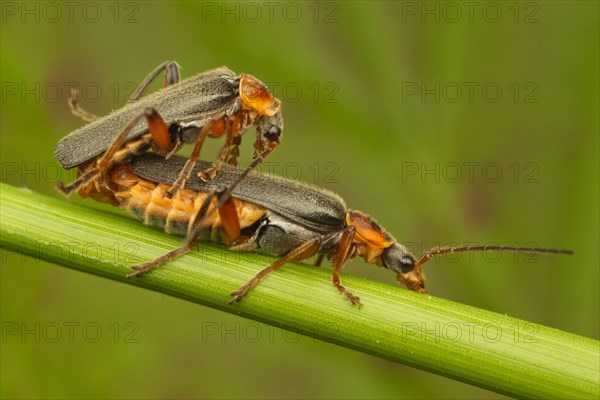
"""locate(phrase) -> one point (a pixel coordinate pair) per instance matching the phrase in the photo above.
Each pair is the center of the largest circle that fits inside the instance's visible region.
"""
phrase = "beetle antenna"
(429, 254)
(223, 197)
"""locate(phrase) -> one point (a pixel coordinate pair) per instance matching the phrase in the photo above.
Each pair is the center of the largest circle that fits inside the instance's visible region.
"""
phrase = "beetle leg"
(213, 128)
(73, 102)
(149, 266)
(103, 163)
(223, 195)
(209, 173)
(161, 138)
(161, 143)
(235, 151)
(191, 239)
(185, 172)
(319, 260)
(76, 184)
(343, 253)
(245, 243)
(300, 253)
(171, 69)
(229, 222)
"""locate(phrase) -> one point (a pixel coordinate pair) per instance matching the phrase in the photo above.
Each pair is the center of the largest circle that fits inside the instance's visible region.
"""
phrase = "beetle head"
(378, 247)
(268, 131)
(408, 270)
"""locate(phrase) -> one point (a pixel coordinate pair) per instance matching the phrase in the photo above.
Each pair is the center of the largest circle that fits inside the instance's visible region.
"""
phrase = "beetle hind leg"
(88, 176)
(230, 231)
(160, 141)
(149, 266)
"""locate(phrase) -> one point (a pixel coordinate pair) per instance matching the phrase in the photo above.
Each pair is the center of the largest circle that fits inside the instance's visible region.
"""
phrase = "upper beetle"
(214, 103)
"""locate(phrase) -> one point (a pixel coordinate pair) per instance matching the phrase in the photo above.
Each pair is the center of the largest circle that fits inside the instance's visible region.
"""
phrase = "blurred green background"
(448, 123)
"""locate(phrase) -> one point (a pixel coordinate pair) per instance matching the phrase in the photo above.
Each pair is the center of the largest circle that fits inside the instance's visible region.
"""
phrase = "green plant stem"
(493, 351)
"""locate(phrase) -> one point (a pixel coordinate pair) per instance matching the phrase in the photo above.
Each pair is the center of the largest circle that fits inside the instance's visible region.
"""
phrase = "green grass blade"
(493, 351)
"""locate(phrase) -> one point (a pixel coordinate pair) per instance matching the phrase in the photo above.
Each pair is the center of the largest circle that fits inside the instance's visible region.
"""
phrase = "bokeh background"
(448, 123)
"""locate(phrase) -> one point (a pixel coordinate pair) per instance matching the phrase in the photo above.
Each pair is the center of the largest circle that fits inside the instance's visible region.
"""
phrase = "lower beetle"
(258, 212)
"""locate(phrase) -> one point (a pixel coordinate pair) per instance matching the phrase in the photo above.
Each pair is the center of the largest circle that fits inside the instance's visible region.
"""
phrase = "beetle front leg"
(232, 132)
(268, 136)
(235, 151)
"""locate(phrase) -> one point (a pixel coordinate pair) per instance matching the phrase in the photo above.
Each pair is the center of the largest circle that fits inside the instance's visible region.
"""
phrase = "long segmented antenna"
(429, 254)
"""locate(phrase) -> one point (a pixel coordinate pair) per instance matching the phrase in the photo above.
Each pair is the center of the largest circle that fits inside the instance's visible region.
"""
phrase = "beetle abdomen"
(147, 201)
(318, 210)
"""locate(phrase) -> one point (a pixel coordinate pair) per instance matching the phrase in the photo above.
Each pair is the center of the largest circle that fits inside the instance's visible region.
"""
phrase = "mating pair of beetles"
(217, 201)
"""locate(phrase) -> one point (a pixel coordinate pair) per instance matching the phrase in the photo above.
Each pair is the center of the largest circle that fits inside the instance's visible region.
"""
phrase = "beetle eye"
(407, 263)
(273, 133)
(270, 127)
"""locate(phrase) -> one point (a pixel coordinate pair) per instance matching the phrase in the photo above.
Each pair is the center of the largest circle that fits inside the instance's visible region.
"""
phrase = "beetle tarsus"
(66, 190)
(60, 186)
(184, 174)
(237, 295)
(149, 266)
(353, 299)
(210, 173)
(141, 270)
(172, 191)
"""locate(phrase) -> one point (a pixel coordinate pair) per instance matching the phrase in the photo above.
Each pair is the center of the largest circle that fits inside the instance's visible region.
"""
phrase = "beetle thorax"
(256, 97)
(369, 239)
